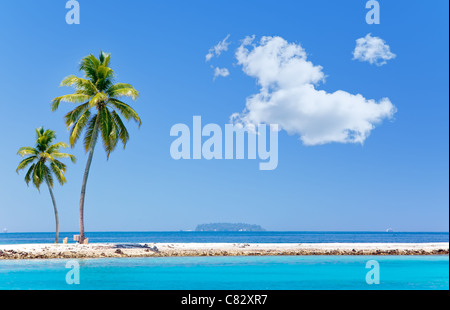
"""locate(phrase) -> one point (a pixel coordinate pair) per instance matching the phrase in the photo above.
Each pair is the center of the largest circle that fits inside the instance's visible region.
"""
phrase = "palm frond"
(97, 99)
(114, 134)
(27, 151)
(47, 156)
(105, 58)
(105, 78)
(125, 110)
(39, 132)
(122, 90)
(37, 175)
(60, 165)
(44, 139)
(55, 147)
(88, 137)
(71, 117)
(123, 132)
(89, 65)
(58, 173)
(106, 127)
(47, 175)
(24, 163)
(71, 98)
(65, 155)
(83, 86)
(78, 127)
(29, 173)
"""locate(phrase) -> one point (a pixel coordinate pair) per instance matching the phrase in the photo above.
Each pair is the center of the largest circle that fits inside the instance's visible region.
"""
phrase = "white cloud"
(223, 72)
(373, 50)
(222, 46)
(288, 96)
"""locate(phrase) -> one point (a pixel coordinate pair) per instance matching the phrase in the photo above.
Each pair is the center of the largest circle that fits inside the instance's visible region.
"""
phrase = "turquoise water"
(253, 273)
(233, 237)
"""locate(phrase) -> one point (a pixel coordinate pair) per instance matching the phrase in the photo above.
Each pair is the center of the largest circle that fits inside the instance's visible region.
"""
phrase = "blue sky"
(397, 179)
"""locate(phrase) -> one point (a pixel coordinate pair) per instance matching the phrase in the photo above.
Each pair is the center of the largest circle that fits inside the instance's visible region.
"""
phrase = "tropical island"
(228, 227)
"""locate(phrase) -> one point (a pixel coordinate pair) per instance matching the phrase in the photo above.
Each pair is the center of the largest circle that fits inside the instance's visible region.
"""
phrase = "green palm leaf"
(58, 173)
(72, 117)
(72, 98)
(24, 163)
(78, 127)
(122, 90)
(125, 110)
(106, 128)
(123, 133)
(88, 137)
(27, 151)
(29, 174)
(64, 155)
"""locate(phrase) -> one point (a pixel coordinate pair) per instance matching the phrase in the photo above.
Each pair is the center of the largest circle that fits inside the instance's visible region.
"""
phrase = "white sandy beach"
(99, 250)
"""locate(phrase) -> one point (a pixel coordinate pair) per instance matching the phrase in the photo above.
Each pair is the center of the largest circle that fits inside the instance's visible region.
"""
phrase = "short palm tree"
(44, 162)
(99, 112)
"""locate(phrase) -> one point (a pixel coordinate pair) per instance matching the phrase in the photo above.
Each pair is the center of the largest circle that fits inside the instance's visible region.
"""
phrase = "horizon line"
(163, 231)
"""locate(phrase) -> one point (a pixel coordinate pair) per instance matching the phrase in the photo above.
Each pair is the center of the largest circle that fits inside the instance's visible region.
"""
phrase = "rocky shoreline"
(76, 251)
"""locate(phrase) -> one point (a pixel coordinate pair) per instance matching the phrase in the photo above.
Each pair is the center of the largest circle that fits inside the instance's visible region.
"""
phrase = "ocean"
(233, 237)
(230, 273)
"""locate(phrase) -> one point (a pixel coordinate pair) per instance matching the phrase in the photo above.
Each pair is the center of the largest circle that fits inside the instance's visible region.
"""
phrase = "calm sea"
(227, 273)
(232, 237)
(192, 273)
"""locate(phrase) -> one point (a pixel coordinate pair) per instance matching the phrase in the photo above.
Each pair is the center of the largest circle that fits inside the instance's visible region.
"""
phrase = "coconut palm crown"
(97, 91)
(44, 160)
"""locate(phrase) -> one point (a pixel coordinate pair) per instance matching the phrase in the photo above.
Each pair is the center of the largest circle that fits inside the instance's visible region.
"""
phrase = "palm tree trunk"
(56, 212)
(85, 178)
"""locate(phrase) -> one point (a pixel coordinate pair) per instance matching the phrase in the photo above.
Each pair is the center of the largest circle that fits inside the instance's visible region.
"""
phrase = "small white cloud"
(222, 46)
(373, 50)
(248, 40)
(223, 72)
(288, 96)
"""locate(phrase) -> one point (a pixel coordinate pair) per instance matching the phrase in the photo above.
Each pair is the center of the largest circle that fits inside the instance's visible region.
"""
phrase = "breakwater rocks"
(71, 251)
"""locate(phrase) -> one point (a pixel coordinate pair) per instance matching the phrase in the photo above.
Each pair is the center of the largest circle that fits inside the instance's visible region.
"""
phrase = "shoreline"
(136, 250)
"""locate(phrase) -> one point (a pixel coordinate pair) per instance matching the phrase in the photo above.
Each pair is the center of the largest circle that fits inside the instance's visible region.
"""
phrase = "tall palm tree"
(98, 112)
(45, 164)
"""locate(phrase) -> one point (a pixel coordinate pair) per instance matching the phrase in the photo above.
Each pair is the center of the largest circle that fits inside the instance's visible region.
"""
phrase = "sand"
(110, 250)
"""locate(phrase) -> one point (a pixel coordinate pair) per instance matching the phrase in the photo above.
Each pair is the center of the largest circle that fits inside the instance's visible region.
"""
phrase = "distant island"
(228, 227)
